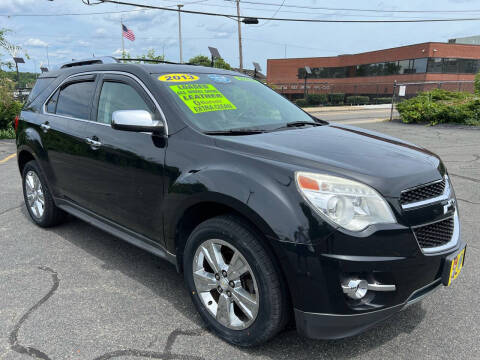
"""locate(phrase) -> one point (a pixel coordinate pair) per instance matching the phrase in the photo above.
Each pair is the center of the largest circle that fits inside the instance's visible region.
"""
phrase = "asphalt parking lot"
(75, 292)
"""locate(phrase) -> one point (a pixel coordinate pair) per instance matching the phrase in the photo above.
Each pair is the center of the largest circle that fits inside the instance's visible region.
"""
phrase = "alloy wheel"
(226, 284)
(34, 194)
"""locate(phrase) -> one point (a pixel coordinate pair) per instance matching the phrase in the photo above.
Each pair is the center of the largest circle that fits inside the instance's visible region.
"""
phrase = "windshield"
(214, 102)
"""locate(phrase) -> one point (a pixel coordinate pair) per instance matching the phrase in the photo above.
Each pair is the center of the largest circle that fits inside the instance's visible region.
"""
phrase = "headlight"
(350, 204)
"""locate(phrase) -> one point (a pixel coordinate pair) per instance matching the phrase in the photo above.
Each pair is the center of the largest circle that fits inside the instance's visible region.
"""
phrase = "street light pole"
(240, 53)
(180, 32)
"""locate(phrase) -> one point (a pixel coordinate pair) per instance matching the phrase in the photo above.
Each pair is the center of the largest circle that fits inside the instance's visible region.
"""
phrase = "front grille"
(436, 234)
(422, 193)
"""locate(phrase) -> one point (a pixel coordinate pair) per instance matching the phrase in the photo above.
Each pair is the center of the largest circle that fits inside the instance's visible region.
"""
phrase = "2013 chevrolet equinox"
(269, 212)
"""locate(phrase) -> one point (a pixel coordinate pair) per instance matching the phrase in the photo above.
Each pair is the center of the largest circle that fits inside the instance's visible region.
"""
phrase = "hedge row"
(357, 100)
(441, 106)
(321, 99)
(339, 99)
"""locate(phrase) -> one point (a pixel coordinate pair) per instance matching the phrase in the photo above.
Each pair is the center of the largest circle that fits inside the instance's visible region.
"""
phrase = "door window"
(118, 96)
(52, 103)
(74, 100)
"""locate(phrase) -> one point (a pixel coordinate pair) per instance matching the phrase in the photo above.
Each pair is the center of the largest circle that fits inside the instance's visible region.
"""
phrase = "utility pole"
(240, 54)
(180, 32)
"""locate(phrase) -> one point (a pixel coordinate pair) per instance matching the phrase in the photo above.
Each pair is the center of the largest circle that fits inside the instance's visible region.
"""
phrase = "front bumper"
(336, 326)
(315, 274)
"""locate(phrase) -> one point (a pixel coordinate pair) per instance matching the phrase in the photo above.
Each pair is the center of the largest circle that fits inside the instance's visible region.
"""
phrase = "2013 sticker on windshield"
(178, 77)
(202, 98)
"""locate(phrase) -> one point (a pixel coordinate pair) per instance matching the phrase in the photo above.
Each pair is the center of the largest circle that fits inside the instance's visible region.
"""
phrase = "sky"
(76, 37)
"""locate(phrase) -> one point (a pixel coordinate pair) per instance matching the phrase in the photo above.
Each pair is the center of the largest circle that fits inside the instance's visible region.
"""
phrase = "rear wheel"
(38, 199)
(233, 282)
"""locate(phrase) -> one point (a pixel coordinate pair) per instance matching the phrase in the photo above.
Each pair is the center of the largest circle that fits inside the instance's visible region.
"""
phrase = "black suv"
(271, 214)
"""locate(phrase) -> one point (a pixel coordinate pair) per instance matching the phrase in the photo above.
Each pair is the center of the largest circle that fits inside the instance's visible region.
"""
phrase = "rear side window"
(118, 96)
(74, 100)
(39, 86)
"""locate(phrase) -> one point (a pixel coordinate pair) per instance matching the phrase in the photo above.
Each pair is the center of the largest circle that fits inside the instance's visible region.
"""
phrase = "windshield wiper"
(302, 123)
(298, 124)
(235, 132)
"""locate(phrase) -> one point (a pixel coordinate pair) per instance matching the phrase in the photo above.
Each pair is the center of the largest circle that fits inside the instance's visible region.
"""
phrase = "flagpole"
(123, 41)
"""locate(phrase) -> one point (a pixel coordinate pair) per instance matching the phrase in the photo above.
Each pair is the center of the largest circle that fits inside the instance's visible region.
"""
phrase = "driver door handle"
(45, 127)
(93, 143)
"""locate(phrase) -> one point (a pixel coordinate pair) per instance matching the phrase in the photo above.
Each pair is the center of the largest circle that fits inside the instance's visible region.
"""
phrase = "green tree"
(9, 107)
(149, 55)
(477, 84)
(203, 60)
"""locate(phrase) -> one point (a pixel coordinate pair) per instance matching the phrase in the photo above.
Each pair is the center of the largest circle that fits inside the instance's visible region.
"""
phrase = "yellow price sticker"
(178, 77)
(202, 98)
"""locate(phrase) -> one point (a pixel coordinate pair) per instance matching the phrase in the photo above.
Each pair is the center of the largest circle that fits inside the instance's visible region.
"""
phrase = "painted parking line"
(9, 157)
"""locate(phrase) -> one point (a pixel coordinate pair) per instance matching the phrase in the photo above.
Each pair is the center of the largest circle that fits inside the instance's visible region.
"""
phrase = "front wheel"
(233, 282)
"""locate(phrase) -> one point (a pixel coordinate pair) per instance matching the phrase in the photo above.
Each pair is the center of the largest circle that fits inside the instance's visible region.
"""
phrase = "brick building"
(421, 66)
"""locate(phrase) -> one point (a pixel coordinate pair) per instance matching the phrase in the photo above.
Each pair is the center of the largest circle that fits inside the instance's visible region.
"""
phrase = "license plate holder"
(453, 266)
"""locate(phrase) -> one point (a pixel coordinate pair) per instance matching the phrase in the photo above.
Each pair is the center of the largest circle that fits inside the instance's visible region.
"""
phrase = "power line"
(356, 9)
(95, 13)
(72, 14)
(274, 14)
(290, 19)
(247, 8)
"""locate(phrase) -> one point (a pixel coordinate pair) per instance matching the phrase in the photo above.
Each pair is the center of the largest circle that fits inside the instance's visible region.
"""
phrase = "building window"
(450, 66)
(407, 66)
(420, 66)
(435, 65)
(468, 66)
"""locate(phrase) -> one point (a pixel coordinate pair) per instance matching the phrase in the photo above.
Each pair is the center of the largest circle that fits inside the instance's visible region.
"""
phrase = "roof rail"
(152, 61)
(90, 61)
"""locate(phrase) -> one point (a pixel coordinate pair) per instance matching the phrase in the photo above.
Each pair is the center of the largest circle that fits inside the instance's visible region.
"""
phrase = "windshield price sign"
(202, 98)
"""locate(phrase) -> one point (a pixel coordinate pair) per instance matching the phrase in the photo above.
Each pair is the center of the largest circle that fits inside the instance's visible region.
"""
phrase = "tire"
(45, 215)
(261, 282)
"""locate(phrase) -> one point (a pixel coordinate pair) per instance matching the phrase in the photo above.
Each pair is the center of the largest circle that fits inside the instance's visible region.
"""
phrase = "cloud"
(83, 43)
(222, 28)
(16, 6)
(222, 35)
(100, 31)
(33, 42)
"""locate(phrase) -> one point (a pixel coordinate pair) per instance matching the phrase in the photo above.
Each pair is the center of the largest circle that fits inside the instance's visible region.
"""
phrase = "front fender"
(263, 192)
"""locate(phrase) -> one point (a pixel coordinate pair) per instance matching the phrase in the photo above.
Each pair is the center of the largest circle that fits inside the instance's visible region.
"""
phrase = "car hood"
(387, 164)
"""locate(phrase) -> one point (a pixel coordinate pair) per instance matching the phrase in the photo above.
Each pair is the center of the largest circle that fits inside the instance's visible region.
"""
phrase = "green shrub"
(8, 133)
(357, 100)
(336, 98)
(317, 99)
(301, 102)
(476, 84)
(383, 100)
(441, 106)
(8, 111)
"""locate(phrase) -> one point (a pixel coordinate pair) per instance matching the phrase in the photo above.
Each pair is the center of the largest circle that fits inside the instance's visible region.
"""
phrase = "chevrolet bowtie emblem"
(450, 205)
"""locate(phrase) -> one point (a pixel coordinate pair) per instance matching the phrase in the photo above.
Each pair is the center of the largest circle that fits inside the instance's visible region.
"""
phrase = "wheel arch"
(205, 209)
(23, 157)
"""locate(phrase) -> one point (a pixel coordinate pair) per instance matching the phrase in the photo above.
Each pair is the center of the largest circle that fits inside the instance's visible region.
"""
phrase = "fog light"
(355, 289)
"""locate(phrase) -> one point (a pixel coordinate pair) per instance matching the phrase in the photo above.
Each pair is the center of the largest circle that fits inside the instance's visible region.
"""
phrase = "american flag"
(127, 33)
